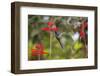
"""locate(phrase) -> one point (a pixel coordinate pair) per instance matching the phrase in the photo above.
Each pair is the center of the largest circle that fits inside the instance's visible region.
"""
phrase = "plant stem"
(50, 42)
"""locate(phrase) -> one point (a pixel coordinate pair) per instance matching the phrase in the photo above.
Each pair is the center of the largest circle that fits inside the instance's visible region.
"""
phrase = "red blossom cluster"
(82, 28)
(50, 28)
(39, 50)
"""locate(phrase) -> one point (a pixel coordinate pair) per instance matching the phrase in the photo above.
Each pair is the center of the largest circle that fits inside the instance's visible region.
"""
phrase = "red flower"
(45, 29)
(39, 46)
(82, 29)
(39, 50)
(50, 23)
(84, 25)
(34, 52)
(82, 34)
(54, 29)
(49, 29)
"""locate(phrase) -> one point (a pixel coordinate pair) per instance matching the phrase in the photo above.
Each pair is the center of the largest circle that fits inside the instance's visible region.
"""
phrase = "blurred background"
(57, 37)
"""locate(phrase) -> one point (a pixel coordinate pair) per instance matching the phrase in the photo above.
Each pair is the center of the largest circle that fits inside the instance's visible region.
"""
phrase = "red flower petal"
(82, 34)
(40, 46)
(50, 23)
(34, 52)
(45, 29)
(85, 24)
(38, 52)
(54, 29)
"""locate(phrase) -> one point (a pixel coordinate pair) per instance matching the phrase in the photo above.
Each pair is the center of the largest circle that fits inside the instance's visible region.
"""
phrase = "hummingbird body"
(58, 37)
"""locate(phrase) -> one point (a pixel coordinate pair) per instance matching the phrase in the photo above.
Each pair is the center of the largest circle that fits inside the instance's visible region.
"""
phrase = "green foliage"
(77, 45)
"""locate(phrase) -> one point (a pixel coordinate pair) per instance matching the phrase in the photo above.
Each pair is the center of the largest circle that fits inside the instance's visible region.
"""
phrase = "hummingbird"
(58, 36)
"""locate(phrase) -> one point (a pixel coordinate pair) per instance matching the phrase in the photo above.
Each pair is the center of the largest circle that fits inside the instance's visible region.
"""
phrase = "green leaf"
(78, 45)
